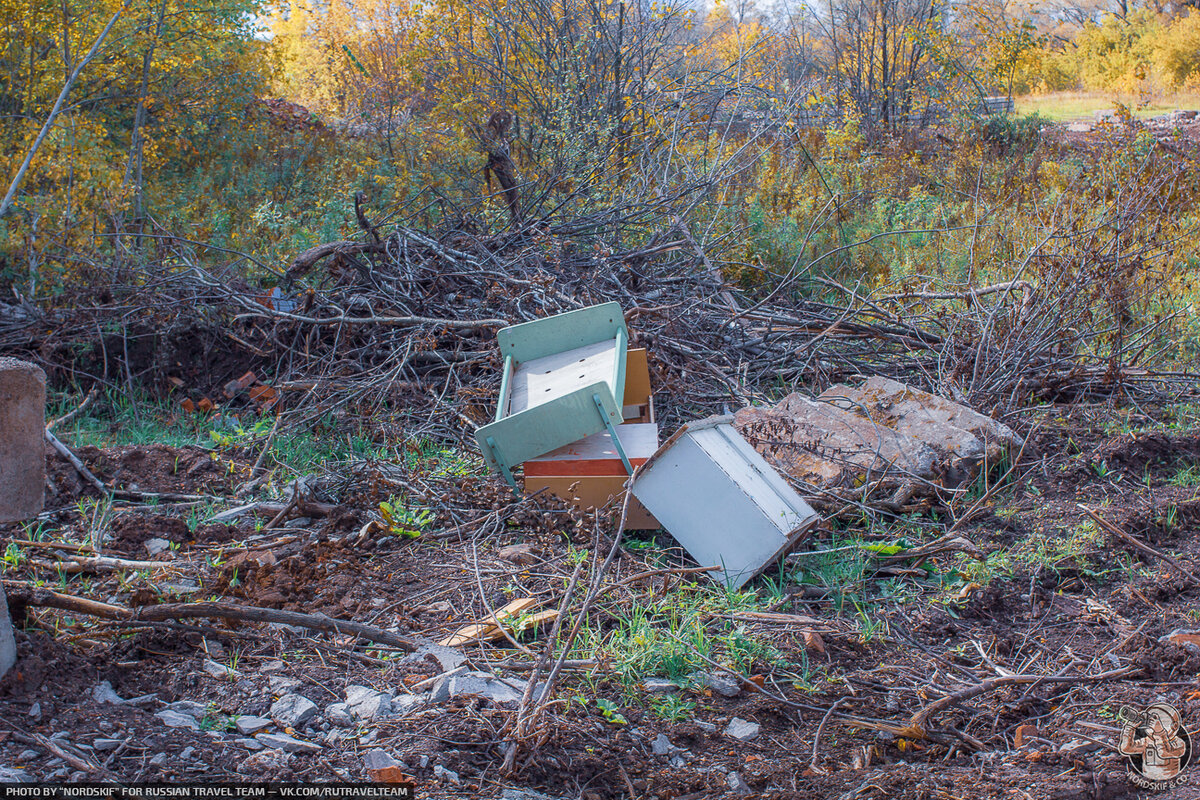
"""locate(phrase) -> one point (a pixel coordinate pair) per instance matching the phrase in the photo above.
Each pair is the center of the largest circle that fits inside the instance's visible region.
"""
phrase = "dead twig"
(37, 740)
(916, 729)
(677, 571)
(79, 409)
(812, 762)
(1142, 546)
(74, 461)
(77, 564)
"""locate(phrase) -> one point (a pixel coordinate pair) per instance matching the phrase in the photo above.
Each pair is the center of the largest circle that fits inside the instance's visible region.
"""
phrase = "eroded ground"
(843, 621)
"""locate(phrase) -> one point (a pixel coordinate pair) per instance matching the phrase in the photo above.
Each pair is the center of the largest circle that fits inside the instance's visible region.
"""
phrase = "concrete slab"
(952, 429)
(827, 446)
(22, 433)
(8, 645)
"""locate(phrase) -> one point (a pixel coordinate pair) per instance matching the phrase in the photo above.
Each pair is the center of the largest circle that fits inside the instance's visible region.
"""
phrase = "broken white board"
(8, 645)
(721, 500)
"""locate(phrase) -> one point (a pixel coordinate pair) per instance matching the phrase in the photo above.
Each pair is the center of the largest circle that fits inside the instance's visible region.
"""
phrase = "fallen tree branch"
(45, 598)
(1142, 546)
(916, 724)
(79, 409)
(76, 564)
(74, 461)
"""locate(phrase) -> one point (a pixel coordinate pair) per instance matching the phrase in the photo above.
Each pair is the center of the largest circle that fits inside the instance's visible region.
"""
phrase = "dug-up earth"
(807, 685)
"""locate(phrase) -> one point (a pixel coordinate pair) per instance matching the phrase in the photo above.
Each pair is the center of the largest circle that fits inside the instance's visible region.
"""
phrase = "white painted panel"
(776, 500)
(707, 512)
(541, 380)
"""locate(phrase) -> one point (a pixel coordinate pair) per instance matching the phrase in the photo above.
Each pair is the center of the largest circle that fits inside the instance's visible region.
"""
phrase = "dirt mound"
(131, 531)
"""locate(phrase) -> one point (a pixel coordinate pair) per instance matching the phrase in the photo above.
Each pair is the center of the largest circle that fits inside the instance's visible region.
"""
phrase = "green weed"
(404, 520)
(671, 708)
(1188, 476)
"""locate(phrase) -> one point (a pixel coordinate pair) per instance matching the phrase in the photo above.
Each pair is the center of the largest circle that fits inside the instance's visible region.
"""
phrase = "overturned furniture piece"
(589, 473)
(563, 379)
(717, 496)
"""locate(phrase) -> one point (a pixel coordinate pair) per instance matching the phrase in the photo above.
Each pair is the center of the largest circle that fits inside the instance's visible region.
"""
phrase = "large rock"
(22, 431)
(827, 446)
(950, 428)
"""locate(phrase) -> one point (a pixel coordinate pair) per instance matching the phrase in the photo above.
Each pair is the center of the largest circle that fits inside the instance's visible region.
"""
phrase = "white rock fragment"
(742, 730)
(339, 714)
(155, 546)
(292, 710)
(175, 719)
(103, 692)
(216, 669)
(366, 703)
(281, 741)
(248, 724)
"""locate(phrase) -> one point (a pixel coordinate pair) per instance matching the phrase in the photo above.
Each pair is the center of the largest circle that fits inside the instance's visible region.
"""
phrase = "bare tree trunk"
(133, 167)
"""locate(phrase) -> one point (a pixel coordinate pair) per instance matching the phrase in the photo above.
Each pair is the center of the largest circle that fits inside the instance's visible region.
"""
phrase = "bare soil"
(1074, 611)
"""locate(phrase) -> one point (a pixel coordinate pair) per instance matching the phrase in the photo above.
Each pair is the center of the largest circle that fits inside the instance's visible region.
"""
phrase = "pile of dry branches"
(408, 317)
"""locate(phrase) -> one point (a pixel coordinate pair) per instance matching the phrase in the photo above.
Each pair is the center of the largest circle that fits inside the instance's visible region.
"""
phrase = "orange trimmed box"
(588, 472)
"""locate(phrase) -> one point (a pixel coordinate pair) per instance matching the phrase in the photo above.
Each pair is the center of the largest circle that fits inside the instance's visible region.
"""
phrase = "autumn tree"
(170, 77)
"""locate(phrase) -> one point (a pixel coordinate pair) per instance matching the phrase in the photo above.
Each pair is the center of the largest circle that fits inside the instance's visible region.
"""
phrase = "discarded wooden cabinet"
(563, 380)
(717, 496)
(589, 473)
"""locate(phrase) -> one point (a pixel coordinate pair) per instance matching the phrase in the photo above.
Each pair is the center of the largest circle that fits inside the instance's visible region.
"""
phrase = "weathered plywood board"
(548, 378)
(717, 496)
(489, 627)
(637, 377)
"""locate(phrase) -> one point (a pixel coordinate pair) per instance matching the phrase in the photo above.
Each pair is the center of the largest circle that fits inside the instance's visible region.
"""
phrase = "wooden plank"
(637, 378)
(596, 455)
(489, 626)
